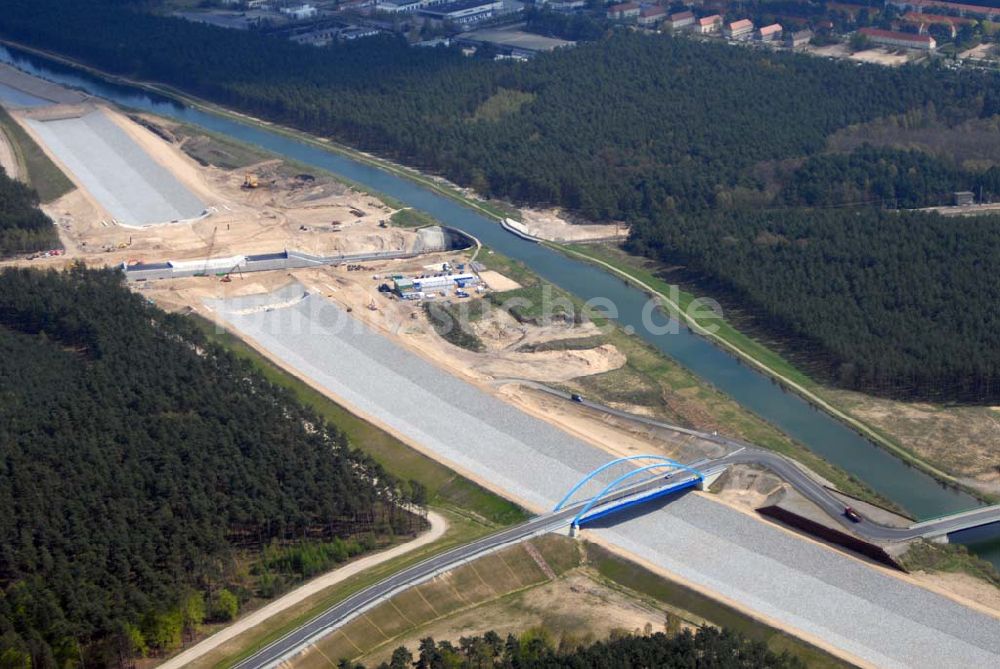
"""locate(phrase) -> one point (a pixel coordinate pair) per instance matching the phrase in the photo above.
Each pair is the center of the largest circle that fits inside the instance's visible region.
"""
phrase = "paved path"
(438, 527)
(810, 589)
(799, 478)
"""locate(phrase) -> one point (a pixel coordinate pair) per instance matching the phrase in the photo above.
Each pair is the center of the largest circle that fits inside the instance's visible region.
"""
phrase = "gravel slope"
(876, 617)
(135, 189)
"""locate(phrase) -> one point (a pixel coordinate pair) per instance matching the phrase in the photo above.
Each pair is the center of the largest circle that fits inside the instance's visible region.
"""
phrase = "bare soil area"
(557, 225)
(615, 435)
(963, 586)
(959, 439)
(881, 56)
(575, 607)
(878, 55)
(306, 212)
(497, 281)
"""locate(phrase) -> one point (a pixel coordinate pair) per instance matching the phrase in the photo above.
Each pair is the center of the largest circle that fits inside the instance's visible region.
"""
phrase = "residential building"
(738, 29)
(679, 20)
(798, 39)
(299, 13)
(565, 6)
(707, 24)
(624, 11)
(463, 12)
(897, 39)
(399, 6)
(769, 33)
(923, 21)
(650, 16)
(978, 11)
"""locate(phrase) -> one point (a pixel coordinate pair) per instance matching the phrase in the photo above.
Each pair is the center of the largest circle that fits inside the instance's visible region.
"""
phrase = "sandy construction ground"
(438, 527)
(881, 56)
(497, 281)
(755, 565)
(310, 213)
(576, 602)
(556, 225)
(405, 321)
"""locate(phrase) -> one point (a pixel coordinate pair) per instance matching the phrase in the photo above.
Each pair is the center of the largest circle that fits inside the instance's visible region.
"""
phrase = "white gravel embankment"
(878, 618)
(129, 184)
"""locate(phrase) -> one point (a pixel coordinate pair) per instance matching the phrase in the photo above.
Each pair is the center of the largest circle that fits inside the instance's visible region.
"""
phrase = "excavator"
(250, 181)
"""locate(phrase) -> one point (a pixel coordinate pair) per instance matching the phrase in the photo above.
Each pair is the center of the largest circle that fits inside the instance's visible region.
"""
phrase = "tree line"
(885, 177)
(23, 226)
(652, 130)
(892, 303)
(143, 469)
(708, 647)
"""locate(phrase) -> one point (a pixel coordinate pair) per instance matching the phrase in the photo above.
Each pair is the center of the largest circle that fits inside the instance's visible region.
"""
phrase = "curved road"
(797, 476)
(299, 639)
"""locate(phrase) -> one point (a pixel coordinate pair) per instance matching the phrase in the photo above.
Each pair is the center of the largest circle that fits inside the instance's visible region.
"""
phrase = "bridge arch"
(660, 461)
(596, 499)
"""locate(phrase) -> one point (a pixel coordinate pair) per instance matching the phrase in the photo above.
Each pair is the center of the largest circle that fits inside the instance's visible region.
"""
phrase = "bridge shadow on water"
(616, 518)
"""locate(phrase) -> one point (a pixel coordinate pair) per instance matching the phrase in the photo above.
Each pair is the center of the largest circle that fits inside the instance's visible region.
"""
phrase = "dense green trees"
(886, 178)
(23, 227)
(657, 131)
(898, 303)
(709, 647)
(617, 128)
(138, 461)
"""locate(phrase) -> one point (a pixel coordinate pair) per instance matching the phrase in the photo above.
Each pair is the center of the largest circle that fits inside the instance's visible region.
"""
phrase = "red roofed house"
(626, 10)
(740, 28)
(650, 16)
(922, 21)
(679, 20)
(988, 13)
(708, 24)
(904, 40)
(769, 33)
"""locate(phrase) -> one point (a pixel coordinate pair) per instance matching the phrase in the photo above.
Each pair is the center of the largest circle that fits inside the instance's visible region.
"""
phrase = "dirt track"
(438, 527)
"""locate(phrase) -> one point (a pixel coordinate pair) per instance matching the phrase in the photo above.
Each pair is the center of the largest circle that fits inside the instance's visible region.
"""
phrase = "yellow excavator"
(250, 180)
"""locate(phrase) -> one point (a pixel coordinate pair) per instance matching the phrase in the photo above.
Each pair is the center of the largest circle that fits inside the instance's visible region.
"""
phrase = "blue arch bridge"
(655, 476)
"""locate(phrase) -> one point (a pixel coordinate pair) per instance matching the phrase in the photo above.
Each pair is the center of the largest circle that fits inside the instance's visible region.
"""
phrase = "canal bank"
(912, 489)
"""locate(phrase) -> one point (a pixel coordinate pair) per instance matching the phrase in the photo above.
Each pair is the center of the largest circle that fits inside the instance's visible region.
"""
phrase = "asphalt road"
(806, 485)
(298, 639)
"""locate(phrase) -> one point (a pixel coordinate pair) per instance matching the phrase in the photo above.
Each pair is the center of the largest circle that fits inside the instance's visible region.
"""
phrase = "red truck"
(852, 515)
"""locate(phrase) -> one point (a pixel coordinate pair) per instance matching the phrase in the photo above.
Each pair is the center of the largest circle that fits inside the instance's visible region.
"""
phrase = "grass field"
(412, 218)
(682, 600)
(770, 362)
(485, 580)
(43, 175)
(461, 530)
(511, 592)
(671, 393)
(951, 558)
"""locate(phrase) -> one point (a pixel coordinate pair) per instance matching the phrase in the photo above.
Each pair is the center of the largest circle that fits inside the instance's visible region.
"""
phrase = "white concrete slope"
(862, 611)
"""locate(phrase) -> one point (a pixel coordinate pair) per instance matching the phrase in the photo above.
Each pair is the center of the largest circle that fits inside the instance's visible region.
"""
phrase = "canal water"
(915, 491)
